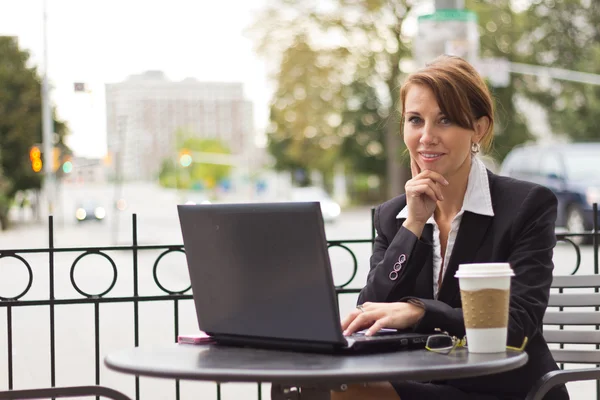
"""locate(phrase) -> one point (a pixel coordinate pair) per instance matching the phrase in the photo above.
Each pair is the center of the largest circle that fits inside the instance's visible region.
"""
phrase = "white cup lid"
(482, 270)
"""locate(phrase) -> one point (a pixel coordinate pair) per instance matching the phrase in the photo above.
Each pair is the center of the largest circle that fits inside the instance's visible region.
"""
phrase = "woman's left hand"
(376, 316)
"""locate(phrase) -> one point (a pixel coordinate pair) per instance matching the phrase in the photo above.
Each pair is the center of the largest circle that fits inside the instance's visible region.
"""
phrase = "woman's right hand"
(423, 192)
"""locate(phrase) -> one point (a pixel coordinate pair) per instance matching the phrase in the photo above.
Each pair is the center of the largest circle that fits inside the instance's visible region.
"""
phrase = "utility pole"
(449, 4)
(119, 154)
(47, 126)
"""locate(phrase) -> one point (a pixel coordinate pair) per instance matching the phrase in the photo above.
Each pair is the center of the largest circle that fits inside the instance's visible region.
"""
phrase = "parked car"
(89, 210)
(571, 171)
(195, 197)
(329, 208)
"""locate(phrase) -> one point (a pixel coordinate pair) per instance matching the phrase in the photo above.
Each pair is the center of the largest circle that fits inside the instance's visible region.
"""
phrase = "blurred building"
(144, 112)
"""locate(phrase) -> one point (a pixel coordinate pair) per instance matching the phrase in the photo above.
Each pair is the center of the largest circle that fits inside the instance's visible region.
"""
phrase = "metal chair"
(563, 317)
(73, 391)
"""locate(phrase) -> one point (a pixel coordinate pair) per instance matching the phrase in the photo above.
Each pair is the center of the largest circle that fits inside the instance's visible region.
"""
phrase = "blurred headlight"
(100, 212)
(592, 195)
(80, 214)
(193, 203)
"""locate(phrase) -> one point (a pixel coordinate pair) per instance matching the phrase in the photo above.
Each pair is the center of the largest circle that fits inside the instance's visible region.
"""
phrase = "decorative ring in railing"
(99, 253)
(567, 239)
(155, 268)
(17, 297)
(355, 270)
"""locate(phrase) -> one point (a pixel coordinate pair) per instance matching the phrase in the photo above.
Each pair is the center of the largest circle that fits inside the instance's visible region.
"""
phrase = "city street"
(157, 224)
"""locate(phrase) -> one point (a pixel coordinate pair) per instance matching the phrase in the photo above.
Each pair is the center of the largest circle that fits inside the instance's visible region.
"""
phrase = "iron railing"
(10, 304)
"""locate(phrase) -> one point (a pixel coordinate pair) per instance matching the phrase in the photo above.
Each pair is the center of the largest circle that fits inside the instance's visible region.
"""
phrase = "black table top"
(209, 362)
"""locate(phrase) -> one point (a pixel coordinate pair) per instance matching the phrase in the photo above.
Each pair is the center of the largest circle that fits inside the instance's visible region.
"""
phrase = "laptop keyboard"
(388, 334)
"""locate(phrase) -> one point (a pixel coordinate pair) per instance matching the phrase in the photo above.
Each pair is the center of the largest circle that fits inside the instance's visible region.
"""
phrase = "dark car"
(89, 210)
(570, 170)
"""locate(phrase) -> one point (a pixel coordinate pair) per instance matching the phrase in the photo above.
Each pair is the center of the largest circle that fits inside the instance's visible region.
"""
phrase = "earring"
(475, 147)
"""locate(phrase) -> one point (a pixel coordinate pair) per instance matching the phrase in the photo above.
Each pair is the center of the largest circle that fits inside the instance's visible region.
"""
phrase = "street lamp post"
(47, 125)
(449, 4)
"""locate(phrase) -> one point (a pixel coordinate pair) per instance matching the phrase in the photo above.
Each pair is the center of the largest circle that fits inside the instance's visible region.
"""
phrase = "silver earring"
(475, 148)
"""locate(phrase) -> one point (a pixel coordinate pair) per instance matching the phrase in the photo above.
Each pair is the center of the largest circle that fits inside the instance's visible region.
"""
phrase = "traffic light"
(35, 155)
(56, 159)
(185, 158)
(67, 166)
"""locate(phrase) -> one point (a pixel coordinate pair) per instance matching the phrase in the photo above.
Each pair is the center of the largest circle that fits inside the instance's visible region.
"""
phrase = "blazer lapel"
(472, 231)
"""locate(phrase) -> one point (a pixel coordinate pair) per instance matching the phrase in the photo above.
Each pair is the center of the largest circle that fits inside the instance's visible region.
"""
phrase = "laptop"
(261, 277)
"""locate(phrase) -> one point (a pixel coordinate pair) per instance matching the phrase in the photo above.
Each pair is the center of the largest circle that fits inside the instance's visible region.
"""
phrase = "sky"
(104, 41)
(99, 42)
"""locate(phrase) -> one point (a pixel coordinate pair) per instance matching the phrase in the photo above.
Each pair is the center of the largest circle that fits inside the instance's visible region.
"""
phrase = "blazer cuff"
(416, 250)
(438, 315)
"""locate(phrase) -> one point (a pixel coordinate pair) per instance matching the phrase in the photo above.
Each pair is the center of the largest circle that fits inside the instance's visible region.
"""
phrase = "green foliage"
(198, 174)
(564, 34)
(344, 60)
(209, 173)
(21, 121)
(306, 111)
(363, 130)
(337, 81)
(500, 29)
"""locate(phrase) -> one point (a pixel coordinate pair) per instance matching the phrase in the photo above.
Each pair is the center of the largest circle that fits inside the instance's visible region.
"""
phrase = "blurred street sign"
(79, 87)
(446, 31)
(495, 69)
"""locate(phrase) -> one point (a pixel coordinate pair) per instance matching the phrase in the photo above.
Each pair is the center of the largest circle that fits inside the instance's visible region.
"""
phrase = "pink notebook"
(196, 338)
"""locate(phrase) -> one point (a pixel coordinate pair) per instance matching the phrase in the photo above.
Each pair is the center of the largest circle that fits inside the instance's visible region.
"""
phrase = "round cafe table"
(315, 375)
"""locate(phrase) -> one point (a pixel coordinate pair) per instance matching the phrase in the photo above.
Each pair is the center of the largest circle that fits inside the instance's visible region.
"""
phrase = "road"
(157, 224)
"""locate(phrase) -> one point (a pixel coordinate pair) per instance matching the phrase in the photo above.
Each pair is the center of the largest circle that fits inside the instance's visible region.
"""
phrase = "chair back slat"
(574, 300)
(570, 336)
(571, 318)
(576, 356)
(576, 281)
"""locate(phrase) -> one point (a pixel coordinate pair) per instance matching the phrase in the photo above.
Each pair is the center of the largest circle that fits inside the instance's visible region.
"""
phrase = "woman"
(455, 211)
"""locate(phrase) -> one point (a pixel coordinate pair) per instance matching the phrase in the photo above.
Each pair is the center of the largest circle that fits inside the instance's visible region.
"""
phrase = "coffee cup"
(485, 294)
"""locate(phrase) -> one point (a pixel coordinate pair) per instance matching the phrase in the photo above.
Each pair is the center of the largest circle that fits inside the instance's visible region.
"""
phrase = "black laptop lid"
(261, 270)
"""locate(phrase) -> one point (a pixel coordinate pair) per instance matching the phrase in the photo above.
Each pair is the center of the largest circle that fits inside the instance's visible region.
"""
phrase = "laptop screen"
(261, 270)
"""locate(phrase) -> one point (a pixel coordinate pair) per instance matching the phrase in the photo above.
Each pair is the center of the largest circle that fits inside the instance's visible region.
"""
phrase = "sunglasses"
(444, 343)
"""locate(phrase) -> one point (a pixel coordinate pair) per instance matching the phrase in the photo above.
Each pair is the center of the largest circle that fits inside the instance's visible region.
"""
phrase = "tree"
(364, 133)
(500, 30)
(21, 122)
(350, 41)
(564, 34)
(186, 170)
(303, 131)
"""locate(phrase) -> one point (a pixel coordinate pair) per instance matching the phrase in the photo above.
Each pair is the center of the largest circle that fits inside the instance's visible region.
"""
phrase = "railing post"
(136, 316)
(52, 298)
(10, 346)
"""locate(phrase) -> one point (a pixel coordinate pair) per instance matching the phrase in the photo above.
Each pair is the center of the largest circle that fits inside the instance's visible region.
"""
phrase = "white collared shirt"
(477, 200)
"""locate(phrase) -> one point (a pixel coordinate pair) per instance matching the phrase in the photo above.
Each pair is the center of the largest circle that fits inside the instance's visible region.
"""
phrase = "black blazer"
(521, 232)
